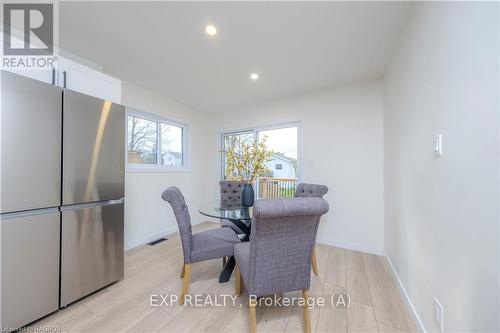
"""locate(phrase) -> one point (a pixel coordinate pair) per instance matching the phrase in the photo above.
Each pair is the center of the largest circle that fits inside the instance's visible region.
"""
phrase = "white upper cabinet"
(79, 77)
(46, 75)
(85, 80)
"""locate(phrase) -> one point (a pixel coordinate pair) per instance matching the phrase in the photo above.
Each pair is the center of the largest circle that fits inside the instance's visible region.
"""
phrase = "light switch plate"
(438, 145)
(438, 314)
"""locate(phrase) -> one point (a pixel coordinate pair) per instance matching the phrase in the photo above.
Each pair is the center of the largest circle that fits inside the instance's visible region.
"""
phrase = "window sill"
(156, 169)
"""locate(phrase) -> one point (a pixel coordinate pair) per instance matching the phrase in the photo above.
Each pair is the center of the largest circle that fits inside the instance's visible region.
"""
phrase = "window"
(155, 142)
(281, 177)
(141, 140)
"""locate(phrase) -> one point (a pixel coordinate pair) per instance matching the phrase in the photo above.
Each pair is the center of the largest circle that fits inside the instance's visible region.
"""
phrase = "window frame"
(158, 167)
(255, 130)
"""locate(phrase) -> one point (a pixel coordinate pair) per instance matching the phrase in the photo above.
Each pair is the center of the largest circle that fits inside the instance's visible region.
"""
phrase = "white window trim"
(137, 167)
(255, 130)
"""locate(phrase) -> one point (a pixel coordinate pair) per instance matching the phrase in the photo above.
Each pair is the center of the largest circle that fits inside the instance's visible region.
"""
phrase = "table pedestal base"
(225, 275)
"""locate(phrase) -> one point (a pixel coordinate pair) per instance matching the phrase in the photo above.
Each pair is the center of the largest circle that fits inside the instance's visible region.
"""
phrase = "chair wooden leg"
(307, 318)
(253, 316)
(182, 272)
(185, 283)
(314, 263)
(237, 281)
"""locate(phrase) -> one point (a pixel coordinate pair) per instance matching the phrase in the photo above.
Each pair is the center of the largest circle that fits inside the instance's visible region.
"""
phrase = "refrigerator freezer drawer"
(92, 248)
(30, 266)
(93, 150)
(31, 143)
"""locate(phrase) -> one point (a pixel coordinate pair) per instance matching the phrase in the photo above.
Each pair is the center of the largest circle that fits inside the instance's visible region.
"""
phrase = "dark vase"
(247, 195)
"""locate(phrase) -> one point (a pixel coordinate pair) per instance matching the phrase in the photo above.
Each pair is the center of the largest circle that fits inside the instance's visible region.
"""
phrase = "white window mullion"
(158, 143)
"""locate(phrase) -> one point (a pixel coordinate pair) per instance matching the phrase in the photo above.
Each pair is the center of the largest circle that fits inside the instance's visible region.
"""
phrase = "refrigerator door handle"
(53, 76)
(92, 204)
(26, 213)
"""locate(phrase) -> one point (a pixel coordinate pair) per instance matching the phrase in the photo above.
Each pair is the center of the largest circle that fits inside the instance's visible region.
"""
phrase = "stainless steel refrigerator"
(31, 132)
(62, 188)
(93, 174)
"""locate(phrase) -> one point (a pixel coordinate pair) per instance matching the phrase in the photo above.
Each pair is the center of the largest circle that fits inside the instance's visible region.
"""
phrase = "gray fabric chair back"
(174, 196)
(230, 193)
(310, 190)
(281, 243)
(305, 190)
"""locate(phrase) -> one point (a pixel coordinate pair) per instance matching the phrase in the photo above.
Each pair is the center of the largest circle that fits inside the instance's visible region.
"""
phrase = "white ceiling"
(295, 47)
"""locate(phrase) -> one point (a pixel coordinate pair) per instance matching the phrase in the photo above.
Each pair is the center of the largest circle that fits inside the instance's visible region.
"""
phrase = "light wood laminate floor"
(376, 303)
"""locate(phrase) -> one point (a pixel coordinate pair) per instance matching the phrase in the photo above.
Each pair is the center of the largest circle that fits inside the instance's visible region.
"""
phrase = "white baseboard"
(350, 246)
(144, 240)
(407, 297)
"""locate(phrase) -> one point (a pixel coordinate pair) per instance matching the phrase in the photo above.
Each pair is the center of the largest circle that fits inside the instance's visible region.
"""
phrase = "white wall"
(341, 147)
(442, 219)
(147, 216)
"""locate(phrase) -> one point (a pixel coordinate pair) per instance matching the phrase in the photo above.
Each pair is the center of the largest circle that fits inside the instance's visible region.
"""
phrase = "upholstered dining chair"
(230, 197)
(277, 259)
(305, 190)
(201, 246)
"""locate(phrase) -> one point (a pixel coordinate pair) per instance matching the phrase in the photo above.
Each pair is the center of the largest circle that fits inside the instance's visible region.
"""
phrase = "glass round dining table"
(241, 217)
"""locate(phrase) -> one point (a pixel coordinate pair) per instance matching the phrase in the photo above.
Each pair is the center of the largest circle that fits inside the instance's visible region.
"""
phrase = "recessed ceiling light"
(210, 30)
(254, 76)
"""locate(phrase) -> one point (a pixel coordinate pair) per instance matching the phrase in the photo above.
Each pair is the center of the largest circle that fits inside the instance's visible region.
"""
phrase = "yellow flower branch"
(246, 161)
